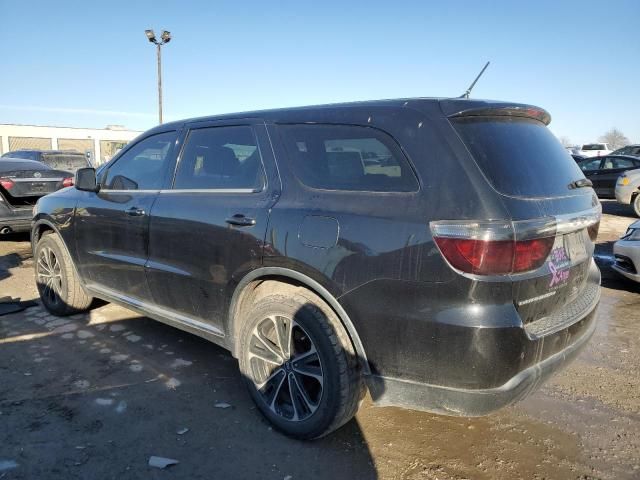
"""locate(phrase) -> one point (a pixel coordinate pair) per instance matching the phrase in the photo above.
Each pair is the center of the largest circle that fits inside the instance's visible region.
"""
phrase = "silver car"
(627, 253)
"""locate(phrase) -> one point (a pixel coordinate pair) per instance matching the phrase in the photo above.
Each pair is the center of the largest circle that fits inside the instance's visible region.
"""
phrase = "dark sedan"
(22, 183)
(604, 171)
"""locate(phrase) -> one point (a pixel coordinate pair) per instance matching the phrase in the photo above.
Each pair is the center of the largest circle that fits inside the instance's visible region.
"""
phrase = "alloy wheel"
(286, 368)
(49, 273)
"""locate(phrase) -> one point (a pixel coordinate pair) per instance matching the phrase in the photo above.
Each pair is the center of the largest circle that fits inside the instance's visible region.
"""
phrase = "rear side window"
(220, 158)
(345, 157)
(519, 156)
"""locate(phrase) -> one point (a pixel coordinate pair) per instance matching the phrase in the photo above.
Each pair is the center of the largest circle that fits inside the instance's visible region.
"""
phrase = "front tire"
(299, 363)
(58, 284)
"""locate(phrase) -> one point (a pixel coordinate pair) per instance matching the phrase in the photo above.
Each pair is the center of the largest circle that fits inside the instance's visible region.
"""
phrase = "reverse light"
(6, 183)
(67, 182)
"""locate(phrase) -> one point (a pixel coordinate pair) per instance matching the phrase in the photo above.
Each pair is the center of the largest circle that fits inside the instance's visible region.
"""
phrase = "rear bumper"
(477, 402)
(456, 366)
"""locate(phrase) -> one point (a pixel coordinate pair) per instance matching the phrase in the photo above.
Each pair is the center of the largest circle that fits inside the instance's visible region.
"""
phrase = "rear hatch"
(545, 248)
(31, 179)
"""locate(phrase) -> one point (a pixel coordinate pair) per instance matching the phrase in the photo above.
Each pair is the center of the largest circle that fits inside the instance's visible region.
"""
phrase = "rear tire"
(58, 284)
(298, 362)
(636, 205)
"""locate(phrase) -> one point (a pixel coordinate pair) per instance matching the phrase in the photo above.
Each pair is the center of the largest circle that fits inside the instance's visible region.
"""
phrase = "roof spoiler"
(526, 111)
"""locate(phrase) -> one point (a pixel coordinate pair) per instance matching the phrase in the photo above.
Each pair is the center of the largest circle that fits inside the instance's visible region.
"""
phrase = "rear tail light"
(493, 248)
(505, 247)
(6, 183)
(67, 182)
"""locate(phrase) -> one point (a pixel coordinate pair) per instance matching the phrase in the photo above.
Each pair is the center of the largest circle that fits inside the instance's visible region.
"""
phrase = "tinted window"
(611, 163)
(589, 165)
(519, 156)
(594, 146)
(340, 157)
(65, 161)
(143, 166)
(220, 158)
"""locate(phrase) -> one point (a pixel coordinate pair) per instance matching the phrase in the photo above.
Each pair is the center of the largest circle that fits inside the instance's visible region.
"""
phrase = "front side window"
(590, 165)
(219, 158)
(143, 166)
(346, 157)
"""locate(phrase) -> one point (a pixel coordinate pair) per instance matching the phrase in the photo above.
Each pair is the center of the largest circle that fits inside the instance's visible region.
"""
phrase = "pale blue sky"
(88, 63)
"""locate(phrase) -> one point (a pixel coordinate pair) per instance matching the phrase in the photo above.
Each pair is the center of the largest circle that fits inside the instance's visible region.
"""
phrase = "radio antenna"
(468, 92)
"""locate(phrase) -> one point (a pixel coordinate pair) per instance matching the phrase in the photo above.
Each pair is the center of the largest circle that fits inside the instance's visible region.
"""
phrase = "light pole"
(165, 37)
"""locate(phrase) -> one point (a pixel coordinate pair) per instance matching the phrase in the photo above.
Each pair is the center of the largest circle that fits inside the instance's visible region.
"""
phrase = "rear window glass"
(346, 157)
(519, 156)
(593, 146)
(68, 163)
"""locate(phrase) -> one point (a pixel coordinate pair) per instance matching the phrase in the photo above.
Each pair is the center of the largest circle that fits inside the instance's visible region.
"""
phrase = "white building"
(101, 143)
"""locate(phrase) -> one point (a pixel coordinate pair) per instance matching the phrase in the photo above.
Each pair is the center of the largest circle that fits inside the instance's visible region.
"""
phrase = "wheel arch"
(247, 286)
(43, 225)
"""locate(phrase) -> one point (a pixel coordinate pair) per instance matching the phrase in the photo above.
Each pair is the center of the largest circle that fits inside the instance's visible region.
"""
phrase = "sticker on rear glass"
(559, 265)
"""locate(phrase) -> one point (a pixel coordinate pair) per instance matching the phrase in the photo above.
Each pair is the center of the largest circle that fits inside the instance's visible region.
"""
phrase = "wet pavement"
(94, 396)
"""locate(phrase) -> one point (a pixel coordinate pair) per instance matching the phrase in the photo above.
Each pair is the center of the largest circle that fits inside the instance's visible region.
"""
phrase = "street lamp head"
(150, 36)
(166, 36)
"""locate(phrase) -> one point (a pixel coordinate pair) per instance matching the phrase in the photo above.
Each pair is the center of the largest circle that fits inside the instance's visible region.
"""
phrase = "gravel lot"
(94, 396)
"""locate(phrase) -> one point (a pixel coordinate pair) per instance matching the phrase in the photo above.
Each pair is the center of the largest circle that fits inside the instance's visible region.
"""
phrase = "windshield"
(65, 161)
(519, 156)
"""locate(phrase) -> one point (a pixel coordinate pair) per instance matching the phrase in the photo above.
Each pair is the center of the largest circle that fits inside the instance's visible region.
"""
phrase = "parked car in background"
(579, 158)
(604, 172)
(594, 150)
(628, 189)
(326, 247)
(633, 150)
(68, 161)
(627, 253)
(22, 183)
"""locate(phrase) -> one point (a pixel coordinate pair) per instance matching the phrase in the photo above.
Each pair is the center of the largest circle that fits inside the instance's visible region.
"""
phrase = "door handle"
(240, 220)
(135, 212)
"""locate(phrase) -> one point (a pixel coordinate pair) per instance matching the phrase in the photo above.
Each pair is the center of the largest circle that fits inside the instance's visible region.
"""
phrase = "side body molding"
(266, 272)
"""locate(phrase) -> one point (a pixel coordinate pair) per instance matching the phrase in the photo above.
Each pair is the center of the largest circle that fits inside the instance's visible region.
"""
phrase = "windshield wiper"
(583, 182)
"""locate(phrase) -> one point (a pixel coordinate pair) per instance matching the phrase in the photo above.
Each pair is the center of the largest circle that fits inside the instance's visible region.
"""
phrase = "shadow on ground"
(94, 396)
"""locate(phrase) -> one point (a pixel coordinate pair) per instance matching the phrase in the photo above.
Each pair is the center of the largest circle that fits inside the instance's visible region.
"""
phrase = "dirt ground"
(94, 396)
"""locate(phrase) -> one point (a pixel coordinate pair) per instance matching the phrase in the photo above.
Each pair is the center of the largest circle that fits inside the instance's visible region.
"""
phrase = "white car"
(627, 253)
(594, 150)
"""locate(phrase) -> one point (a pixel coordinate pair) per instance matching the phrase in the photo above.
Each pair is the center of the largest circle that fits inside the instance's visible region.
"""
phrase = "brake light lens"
(7, 183)
(495, 257)
(67, 182)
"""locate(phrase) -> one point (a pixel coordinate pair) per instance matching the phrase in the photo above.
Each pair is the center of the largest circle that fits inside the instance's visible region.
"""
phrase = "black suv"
(436, 251)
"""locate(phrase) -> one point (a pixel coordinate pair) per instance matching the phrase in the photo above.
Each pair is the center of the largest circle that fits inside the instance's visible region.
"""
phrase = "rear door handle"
(240, 220)
(135, 212)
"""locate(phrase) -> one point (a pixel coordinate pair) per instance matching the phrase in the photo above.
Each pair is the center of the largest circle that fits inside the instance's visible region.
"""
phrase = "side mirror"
(86, 180)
